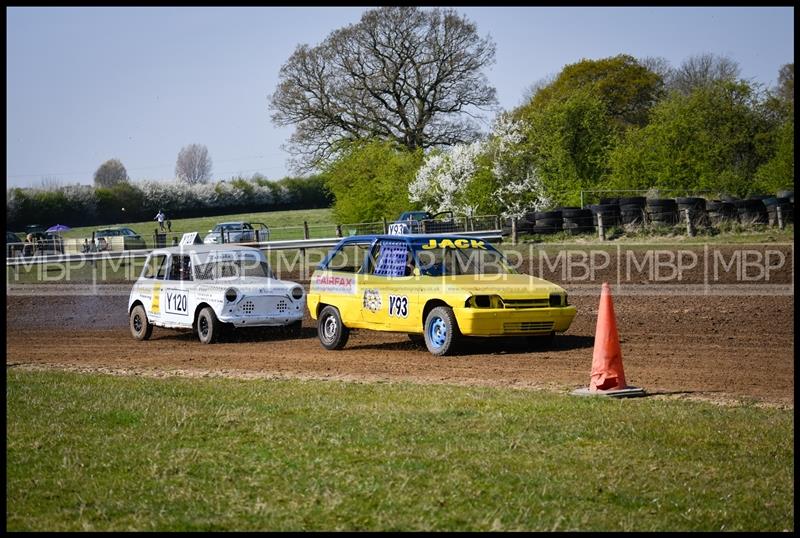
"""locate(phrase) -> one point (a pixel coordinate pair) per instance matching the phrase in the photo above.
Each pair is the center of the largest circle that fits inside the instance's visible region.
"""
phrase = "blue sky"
(84, 85)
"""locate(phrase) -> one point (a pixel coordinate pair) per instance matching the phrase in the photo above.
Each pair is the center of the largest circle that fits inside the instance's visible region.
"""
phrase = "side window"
(155, 267)
(349, 258)
(181, 268)
(392, 258)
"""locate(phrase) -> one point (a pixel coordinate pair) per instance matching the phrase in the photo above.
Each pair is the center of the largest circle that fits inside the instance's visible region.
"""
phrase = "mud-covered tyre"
(141, 328)
(209, 328)
(330, 329)
(441, 331)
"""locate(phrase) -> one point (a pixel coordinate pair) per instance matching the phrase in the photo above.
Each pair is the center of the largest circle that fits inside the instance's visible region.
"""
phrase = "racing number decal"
(176, 303)
(398, 306)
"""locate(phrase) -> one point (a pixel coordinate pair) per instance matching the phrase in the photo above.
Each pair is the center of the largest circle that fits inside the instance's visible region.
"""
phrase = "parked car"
(414, 222)
(208, 288)
(436, 288)
(14, 245)
(131, 241)
(237, 232)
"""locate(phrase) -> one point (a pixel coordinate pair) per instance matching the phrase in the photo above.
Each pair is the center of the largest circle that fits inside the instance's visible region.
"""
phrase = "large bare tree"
(702, 70)
(410, 75)
(193, 164)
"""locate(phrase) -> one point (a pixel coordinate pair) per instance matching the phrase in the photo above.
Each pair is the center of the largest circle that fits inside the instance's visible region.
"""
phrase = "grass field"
(93, 452)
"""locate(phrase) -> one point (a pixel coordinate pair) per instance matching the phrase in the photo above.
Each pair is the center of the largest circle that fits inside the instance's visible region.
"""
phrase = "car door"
(150, 284)
(388, 287)
(175, 292)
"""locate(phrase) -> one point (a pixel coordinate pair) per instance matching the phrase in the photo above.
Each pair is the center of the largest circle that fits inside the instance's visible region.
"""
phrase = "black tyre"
(330, 329)
(661, 202)
(637, 201)
(539, 215)
(141, 328)
(609, 201)
(209, 328)
(441, 331)
(576, 214)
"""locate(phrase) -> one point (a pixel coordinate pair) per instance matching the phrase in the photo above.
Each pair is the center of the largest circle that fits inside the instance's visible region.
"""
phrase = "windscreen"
(459, 257)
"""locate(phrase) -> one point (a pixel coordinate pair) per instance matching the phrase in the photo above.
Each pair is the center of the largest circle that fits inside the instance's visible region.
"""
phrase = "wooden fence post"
(689, 224)
(305, 230)
(385, 226)
(513, 230)
(338, 230)
(779, 214)
(601, 233)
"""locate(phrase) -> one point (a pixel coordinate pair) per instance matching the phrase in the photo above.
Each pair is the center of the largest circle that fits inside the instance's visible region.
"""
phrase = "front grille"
(264, 306)
(528, 327)
(526, 303)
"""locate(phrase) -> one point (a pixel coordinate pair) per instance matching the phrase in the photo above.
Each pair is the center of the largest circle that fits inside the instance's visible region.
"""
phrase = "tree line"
(126, 201)
(386, 108)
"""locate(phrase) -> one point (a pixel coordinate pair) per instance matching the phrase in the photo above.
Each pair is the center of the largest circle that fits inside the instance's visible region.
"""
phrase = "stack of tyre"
(662, 211)
(609, 208)
(720, 211)
(548, 222)
(577, 220)
(631, 210)
(751, 211)
(696, 208)
(787, 209)
(526, 223)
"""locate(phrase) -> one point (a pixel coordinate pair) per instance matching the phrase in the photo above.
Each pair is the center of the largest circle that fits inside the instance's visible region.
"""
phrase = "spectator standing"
(160, 218)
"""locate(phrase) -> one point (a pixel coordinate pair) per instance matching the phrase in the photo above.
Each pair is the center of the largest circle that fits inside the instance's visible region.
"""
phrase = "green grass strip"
(93, 452)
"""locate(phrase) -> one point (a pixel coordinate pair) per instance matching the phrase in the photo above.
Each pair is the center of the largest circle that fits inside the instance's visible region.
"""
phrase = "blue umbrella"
(58, 228)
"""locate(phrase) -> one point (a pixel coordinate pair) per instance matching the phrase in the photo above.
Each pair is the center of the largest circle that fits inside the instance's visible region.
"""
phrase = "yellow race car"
(433, 287)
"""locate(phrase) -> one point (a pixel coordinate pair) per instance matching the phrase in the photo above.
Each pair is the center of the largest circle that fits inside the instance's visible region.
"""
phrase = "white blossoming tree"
(443, 181)
(520, 186)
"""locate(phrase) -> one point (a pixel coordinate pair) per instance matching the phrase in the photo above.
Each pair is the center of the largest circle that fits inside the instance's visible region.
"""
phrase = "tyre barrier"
(611, 214)
(548, 222)
(577, 221)
(772, 205)
(752, 211)
(662, 211)
(787, 194)
(719, 211)
(609, 201)
(696, 208)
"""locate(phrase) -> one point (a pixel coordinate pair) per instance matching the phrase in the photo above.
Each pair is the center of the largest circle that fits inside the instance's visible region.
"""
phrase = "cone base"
(627, 392)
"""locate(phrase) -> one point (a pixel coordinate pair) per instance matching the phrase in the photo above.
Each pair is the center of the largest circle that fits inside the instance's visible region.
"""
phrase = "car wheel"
(541, 341)
(441, 331)
(208, 326)
(141, 329)
(417, 339)
(294, 329)
(332, 332)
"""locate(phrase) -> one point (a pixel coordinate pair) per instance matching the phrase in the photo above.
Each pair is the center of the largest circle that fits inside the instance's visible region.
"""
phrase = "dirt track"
(723, 348)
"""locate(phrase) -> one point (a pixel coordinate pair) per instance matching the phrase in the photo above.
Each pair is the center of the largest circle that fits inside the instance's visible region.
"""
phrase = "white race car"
(209, 288)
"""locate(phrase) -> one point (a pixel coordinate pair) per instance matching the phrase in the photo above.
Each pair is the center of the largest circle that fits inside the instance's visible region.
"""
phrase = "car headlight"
(231, 294)
(297, 293)
(558, 299)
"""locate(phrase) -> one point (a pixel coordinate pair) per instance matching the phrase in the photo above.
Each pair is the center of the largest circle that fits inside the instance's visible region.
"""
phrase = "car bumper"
(262, 311)
(508, 322)
(262, 321)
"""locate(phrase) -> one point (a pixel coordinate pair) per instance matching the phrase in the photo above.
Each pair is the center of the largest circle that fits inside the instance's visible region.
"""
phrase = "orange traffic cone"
(607, 376)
